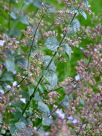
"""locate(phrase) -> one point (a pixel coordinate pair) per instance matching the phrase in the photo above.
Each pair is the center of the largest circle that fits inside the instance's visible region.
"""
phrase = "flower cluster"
(86, 104)
(50, 82)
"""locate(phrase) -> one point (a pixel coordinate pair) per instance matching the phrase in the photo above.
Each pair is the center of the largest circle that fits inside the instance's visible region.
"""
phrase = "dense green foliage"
(50, 67)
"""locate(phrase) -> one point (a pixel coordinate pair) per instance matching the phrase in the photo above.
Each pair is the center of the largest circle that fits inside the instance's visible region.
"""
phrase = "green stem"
(9, 18)
(34, 39)
(40, 80)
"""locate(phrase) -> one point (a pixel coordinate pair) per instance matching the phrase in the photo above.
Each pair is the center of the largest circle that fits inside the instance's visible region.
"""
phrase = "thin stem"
(40, 80)
(31, 48)
(28, 103)
(29, 51)
(34, 39)
(53, 111)
(9, 18)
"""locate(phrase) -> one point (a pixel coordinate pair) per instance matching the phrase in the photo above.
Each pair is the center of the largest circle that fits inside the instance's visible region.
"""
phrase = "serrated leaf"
(52, 43)
(41, 89)
(75, 25)
(86, 3)
(82, 103)
(46, 121)
(43, 107)
(30, 90)
(74, 10)
(83, 13)
(12, 128)
(10, 65)
(13, 15)
(14, 32)
(28, 1)
(51, 10)
(68, 50)
(20, 125)
(24, 20)
(51, 78)
(7, 77)
(65, 102)
(37, 96)
(46, 60)
(1, 90)
(1, 119)
(37, 3)
(22, 62)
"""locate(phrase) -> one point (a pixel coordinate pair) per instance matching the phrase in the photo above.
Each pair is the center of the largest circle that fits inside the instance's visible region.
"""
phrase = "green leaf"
(20, 125)
(46, 121)
(51, 78)
(30, 90)
(22, 62)
(37, 97)
(68, 50)
(41, 89)
(83, 13)
(52, 43)
(43, 107)
(10, 65)
(86, 3)
(51, 9)
(37, 3)
(74, 10)
(14, 32)
(65, 102)
(81, 103)
(12, 128)
(24, 20)
(1, 90)
(28, 1)
(1, 119)
(13, 15)
(17, 114)
(7, 77)
(46, 60)
(75, 25)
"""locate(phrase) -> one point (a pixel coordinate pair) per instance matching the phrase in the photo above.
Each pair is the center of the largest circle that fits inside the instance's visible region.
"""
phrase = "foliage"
(50, 68)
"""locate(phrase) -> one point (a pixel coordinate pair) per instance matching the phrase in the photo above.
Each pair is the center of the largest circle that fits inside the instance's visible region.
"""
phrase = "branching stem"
(41, 78)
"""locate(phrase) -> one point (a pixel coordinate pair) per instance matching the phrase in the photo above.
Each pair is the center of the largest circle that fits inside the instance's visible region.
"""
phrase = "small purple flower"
(8, 87)
(77, 77)
(2, 43)
(70, 118)
(12, 110)
(60, 113)
(1, 91)
(47, 134)
(14, 83)
(82, 49)
(14, 72)
(75, 121)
